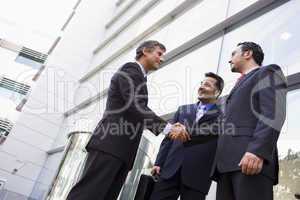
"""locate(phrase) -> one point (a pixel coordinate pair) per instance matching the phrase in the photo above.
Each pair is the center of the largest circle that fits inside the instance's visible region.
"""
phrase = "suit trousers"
(238, 186)
(102, 179)
(172, 188)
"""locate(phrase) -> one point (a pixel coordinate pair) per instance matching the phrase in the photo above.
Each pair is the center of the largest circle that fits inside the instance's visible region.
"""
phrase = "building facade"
(199, 36)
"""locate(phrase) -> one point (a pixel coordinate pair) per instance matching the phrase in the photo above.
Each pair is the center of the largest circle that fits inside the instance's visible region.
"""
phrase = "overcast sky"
(31, 23)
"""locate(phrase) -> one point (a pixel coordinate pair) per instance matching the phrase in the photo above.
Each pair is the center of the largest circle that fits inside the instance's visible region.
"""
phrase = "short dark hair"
(258, 54)
(149, 45)
(220, 81)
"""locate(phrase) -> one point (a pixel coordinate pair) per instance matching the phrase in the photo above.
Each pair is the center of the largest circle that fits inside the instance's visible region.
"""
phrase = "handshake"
(178, 132)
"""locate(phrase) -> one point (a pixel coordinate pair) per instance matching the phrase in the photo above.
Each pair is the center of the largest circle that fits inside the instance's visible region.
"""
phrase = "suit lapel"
(192, 116)
(189, 116)
(210, 114)
(247, 76)
(144, 88)
(140, 71)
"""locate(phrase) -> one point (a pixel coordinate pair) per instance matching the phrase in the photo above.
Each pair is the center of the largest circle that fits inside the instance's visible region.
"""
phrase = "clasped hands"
(250, 164)
(179, 132)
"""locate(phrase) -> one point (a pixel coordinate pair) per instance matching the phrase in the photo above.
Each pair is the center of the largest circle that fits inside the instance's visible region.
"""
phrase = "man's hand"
(178, 132)
(155, 170)
(251, 164)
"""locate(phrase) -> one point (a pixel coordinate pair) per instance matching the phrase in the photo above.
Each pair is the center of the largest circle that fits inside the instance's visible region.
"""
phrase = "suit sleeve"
(165, 145)
(271, 95)
(131, 83)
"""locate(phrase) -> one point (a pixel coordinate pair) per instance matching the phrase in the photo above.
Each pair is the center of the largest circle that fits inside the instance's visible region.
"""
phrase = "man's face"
(154, 58)
(237, 60)
(208, 89)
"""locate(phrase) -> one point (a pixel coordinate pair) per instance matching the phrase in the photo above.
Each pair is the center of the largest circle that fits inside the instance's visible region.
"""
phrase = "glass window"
(71, 166)
(24, 36)
(137, 5)
(5, 127)
(11, 96)
(192, 23)
(142, 165)
(236, 6)
(101, 79)
(15, 70)
(37, 27)
(279, 39)
(139, 27)
(120, 2)
(289, 151)
(8, 107)
(13, 73)
(157, 13)
(178, 82)
(28, 62)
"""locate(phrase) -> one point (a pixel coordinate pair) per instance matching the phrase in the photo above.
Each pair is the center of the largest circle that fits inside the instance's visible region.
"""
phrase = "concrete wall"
(40, 125)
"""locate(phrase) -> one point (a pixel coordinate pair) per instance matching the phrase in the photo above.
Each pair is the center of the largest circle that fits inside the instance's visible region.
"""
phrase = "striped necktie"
(200, 112)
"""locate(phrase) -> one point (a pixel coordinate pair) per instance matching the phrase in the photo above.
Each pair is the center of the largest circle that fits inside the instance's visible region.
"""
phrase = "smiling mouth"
(201, 93)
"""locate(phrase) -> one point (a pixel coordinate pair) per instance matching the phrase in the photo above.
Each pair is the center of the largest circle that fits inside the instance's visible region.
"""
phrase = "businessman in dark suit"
(114, 143)
(184, 168)
(246, 166)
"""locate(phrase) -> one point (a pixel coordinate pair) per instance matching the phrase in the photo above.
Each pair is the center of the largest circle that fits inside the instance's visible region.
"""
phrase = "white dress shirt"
(168, 127)
(250, 70)
(142, 68)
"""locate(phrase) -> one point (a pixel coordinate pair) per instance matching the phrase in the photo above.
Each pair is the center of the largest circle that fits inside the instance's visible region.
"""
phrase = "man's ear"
(145, 50)
(248, 54)
(217, 93)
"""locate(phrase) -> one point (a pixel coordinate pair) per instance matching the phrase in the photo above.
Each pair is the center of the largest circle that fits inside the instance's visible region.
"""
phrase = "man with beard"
(184, 169)
(246, 166)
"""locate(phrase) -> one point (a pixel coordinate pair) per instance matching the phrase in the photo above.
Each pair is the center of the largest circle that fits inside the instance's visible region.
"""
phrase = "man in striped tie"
(246, 164)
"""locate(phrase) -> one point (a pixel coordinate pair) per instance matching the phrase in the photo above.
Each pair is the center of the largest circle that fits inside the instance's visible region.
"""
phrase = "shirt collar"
(250, 70)
(142, 68)
(207, 106)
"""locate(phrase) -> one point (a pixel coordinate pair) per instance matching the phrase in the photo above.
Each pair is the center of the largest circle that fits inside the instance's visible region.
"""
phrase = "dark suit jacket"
(126, 115)
(196, 160)
(255, 111)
